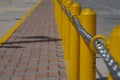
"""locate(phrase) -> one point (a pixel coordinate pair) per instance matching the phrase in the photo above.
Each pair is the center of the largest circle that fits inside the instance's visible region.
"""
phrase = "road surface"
(11, 12)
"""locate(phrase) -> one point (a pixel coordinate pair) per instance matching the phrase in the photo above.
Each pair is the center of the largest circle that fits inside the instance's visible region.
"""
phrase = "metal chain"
(108, 59)
(99, 46)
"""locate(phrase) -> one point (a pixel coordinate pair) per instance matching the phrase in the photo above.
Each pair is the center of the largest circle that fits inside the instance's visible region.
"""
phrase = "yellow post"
(74, 38)
(60, 19)
(67, 4)
(87, 60)
(59, 16)
(62, 24)
(58, 11)
(114, 46)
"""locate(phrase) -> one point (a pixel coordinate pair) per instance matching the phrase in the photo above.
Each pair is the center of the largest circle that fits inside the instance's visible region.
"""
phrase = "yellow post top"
(115, 43)
(88, 11)
(88, 16)
(60, 0)
(67, 3)
(66, 0)
(75, 9)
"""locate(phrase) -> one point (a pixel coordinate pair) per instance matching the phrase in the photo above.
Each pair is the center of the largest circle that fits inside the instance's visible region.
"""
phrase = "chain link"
(108, 59)
(99, 46)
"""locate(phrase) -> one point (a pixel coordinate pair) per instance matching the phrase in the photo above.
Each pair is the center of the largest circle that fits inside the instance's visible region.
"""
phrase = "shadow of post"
(103, 78)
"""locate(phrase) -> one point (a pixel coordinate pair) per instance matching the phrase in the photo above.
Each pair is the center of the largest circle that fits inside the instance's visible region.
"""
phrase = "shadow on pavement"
(12, 47)
(33, 39)
(30, 39)
(36, 37)
(103, 78)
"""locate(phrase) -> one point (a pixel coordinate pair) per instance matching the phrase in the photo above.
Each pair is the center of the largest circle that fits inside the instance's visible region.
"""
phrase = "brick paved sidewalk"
(34, 50)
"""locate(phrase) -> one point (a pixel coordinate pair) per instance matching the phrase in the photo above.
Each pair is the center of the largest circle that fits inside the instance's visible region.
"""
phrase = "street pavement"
(108, 13)
(34, 51)
(108, 16)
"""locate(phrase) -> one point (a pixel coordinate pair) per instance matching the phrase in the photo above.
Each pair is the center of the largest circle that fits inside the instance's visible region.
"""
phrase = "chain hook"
(98, 38)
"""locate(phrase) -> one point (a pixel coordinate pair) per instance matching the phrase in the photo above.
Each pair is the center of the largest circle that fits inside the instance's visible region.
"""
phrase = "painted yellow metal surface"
(114, 45)
(65, 29)
(80, 56)
(87, 59)
(74, 39)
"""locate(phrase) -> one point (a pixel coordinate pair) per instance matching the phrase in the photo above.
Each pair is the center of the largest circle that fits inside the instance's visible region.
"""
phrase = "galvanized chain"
(99, 46)
(108, 59)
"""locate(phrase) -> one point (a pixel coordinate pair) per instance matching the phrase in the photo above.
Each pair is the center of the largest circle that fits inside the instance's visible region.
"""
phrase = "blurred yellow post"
(114, 46)
(59, 16)
(74, 39)
(62, 23)
(60, 19)
(87, 59)
(55, 10)
(67, 4)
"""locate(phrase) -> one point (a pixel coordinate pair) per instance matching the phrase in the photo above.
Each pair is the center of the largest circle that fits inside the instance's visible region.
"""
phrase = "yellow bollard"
(63, 20)
(58, 10)
(114, 46)
(87, 60)
(60, 20)
(75, 9)
(62, 23)
(66, 24)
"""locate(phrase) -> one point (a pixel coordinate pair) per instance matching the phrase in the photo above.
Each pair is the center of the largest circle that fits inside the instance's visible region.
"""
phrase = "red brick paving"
(34, 51)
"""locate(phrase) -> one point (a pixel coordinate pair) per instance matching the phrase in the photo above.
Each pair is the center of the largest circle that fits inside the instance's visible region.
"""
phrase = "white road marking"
(116, 10)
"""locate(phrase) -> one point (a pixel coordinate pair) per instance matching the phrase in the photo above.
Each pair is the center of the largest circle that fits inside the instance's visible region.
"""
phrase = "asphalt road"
(108, 16)
(11, 12)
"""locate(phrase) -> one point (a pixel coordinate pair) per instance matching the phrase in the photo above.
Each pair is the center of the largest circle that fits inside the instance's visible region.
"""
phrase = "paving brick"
(3, 61)
(15, 60)
(31, 63)
(31, 70)
(4, 78)
(53, 67)
(24, 59)
(11, 66)
(42, 61)
(54, 74)
(61, 65)
(42, 75)
(8, 73)
(2, 67)
(22, 64)
(6, 56)
(17, 78)
(19, 71)
(63, 79)
(60, 55)
(16, 55)
(43, 68)
(63, 73)
(29, 77)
